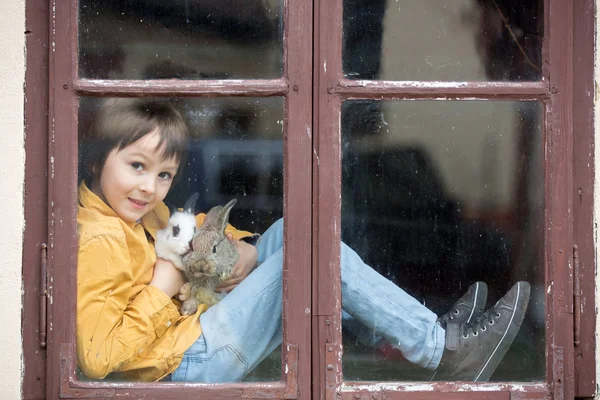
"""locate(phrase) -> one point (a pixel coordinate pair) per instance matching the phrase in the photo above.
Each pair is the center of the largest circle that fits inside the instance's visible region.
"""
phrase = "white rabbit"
(175, 240)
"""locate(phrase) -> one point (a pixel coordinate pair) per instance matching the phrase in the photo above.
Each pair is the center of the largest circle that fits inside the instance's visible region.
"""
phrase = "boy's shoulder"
(91, 224)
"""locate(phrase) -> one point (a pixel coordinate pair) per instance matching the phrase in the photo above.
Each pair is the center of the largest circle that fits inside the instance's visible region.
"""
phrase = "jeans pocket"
(224, 364)
(198, 348)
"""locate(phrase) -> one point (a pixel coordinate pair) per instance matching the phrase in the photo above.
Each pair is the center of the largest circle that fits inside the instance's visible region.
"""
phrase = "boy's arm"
(237, 234)
(112, 327)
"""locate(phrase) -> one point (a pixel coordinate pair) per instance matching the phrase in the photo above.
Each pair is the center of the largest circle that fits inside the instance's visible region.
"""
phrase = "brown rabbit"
(212, 258)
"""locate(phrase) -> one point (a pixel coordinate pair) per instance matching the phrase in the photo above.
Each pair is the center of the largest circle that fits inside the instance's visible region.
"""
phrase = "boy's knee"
(273, 236)
(278, 225)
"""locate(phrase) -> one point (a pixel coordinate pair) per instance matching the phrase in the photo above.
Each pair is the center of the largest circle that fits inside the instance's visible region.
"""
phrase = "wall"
(12, 75)
(12, 70)
(597, 196)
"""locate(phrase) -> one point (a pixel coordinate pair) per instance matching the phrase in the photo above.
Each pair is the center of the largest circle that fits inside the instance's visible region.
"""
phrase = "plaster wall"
(12, 162)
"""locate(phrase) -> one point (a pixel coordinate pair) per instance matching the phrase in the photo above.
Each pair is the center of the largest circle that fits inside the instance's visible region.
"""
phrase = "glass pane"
(235, 152)
(180, 39)
(443, 40)
(437, 195)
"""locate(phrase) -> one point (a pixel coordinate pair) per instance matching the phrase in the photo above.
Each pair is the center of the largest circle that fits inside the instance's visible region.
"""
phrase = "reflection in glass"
(180, 39)
(437, 195)
(235, 151)
(448, 40)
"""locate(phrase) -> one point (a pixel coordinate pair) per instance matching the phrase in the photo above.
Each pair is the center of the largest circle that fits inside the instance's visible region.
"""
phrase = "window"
(444, 142)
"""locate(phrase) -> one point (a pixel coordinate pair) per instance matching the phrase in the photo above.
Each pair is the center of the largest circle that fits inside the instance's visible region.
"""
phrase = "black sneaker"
(473, 351)
(466, 310)
(468, 307)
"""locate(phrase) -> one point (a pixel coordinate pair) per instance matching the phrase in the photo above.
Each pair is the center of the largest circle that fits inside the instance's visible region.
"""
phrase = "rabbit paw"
(189, 307)
(185, 292)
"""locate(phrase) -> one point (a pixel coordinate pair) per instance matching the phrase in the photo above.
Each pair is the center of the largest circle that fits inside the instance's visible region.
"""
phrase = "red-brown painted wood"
(567, 90)
(170, 87)
(446, 390)
(327, 72)
(65, 88)
(583, 190)
(298, 139)
(554, 90)
(352, 89)
(62, 191)
(558, 200)
(36, 194)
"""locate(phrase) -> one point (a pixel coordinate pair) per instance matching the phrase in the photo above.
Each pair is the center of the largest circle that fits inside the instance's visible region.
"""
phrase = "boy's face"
(134, 180)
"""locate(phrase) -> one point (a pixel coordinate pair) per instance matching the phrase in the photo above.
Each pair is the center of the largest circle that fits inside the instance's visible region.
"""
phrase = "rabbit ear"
(190, 204)
(218, 217)
(224, 215)
(212, 217)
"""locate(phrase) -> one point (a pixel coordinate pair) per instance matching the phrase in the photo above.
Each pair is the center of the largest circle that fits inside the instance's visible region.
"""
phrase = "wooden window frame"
(51, 84)
(35, 198)
(583, 192)
(56, 368)
(556, 91)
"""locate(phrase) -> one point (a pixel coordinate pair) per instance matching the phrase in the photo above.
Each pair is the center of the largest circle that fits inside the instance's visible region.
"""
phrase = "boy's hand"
(244, 266)
(167, 277)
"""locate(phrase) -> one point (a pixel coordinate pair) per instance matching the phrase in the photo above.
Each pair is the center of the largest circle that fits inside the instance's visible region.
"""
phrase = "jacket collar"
(153, 221)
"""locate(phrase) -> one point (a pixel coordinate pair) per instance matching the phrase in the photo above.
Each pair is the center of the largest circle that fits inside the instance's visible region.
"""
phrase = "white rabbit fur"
(174, 240)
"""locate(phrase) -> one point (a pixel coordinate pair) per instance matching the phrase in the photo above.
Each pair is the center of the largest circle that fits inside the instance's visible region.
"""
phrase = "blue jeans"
(245, 327)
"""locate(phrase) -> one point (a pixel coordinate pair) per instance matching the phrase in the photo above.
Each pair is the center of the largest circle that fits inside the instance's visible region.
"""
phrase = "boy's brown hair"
(123, 121)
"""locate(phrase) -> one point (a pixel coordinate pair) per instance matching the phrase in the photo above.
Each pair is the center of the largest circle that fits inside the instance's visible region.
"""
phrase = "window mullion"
(559, 200)
(442, 90)
(170, 87)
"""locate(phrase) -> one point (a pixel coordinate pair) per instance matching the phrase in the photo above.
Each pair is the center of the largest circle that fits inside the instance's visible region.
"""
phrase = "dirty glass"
(443, 40)
(180, 39)
(235, 151)
(437, 195)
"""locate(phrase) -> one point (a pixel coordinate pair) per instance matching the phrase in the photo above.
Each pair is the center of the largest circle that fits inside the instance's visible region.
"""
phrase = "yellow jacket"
(125, 326)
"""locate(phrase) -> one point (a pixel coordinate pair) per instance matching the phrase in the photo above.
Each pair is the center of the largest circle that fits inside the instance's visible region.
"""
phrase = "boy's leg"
(365, 318)
(378, 305)
(365, 335)
(271, 241)
(388, 311)
(244, 327)
(467, 350)
(231, 345)
(466, 309)
(239, 331)
(374, 307)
